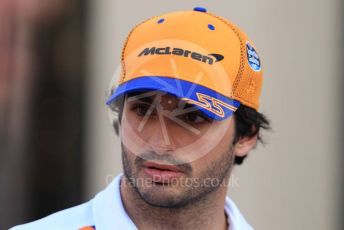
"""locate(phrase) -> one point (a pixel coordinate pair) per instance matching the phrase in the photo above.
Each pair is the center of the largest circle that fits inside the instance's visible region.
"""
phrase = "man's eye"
(141, 109)
(195, 118)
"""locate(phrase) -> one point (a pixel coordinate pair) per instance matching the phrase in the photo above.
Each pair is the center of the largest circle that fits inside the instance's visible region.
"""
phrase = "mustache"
(162, 159)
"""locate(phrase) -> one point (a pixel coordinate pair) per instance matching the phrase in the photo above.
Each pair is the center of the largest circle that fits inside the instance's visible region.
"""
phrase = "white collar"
(235, 218)
(109, 213)
(108, 209)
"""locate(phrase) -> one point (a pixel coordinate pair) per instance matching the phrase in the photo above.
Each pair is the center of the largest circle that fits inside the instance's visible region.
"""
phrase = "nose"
(162, 140)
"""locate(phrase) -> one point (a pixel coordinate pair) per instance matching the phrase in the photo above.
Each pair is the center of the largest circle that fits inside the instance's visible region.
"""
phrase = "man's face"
(172, 153)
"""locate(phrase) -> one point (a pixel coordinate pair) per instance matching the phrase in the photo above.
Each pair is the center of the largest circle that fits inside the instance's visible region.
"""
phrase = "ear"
(244, 145)
(116, 125)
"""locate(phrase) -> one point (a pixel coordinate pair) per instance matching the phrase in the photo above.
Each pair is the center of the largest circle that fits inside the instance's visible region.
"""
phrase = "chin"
(161, 195)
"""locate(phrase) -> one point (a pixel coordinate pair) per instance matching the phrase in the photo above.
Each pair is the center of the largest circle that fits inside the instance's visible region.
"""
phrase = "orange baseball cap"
(197, 56)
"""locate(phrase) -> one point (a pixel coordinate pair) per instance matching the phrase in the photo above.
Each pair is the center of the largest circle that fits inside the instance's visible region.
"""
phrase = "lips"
(161, 166)
(161, 173)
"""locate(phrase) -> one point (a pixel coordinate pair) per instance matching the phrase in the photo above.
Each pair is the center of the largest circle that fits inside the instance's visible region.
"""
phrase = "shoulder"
(104, 211)
(76, 217)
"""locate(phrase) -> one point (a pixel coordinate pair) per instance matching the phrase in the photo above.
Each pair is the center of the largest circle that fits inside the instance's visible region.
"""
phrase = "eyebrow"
(149, 96)
(187, 109)
(141, 96)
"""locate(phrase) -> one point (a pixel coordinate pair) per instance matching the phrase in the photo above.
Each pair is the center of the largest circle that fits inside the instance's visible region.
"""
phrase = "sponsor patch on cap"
(253, 58)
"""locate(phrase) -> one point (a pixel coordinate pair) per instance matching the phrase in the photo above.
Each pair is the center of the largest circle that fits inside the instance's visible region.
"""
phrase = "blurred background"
(57, 146)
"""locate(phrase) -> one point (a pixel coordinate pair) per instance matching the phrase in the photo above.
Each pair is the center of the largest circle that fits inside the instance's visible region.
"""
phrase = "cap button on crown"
(200, 9)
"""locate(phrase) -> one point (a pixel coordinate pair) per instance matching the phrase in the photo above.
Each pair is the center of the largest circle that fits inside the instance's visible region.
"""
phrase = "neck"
(208, 213)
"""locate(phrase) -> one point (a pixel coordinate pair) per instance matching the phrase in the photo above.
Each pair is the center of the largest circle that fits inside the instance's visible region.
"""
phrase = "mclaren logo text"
(209, 59)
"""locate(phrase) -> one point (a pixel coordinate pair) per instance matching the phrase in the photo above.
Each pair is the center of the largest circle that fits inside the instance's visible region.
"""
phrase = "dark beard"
(195, 192)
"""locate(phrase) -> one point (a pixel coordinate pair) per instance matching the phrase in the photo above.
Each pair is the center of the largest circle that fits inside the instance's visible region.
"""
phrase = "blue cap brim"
(208, 101)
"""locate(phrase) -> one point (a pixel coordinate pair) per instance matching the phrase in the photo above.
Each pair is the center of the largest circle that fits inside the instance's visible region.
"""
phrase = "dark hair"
(248, 123)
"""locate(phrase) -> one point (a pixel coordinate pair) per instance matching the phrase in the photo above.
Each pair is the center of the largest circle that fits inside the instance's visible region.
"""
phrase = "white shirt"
(106, 212)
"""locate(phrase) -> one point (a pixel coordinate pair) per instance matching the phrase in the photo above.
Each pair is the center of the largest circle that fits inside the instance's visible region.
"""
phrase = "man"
(187, 101)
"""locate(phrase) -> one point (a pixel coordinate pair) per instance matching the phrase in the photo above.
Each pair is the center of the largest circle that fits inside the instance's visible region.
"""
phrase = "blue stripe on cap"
(211, 103)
